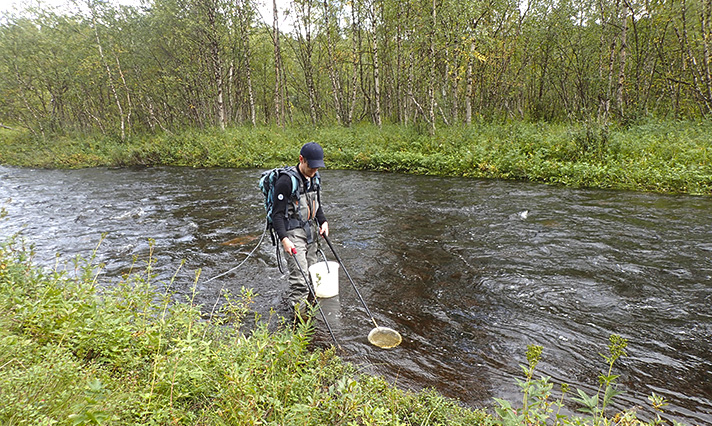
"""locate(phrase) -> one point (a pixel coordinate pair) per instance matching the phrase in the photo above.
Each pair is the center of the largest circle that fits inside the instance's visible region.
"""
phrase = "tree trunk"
(108, 72)
(411, 90)
(356, 54)
(621, 72)
(129, 104)
(705, 16)
(250, 90)
(278, 101)
(245, 12)
(400, 94)
(330, 65)
(606, 68)
(431, 81)
(376, 68)
(454, 83)
(22, 86)
(307, 59)
(702, 86)
(217, 65)
(468, 91)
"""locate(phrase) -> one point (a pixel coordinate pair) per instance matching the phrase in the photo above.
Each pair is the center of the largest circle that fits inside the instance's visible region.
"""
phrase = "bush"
(651, 156)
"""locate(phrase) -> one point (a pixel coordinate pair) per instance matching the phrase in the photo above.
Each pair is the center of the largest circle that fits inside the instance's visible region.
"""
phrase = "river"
(469, 271)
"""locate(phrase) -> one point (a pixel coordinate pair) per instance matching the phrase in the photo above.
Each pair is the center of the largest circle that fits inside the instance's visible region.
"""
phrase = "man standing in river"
(299, 219)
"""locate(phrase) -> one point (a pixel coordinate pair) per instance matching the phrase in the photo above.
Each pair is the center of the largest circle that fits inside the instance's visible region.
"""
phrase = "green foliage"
(114, 69)
(539, 407)
(122, 70)
(671, 157)
(596, 405)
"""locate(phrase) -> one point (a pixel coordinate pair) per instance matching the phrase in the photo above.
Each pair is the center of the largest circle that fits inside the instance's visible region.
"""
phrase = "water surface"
(470, 272)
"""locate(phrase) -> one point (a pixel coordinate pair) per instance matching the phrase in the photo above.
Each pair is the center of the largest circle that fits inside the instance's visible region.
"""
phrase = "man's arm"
(282, 192)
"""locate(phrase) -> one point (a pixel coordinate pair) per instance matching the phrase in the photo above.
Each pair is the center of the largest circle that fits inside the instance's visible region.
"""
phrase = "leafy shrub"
(539, 408)
(650, 156)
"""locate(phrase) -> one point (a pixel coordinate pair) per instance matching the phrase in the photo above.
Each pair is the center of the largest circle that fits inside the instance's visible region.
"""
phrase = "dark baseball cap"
(314, 154)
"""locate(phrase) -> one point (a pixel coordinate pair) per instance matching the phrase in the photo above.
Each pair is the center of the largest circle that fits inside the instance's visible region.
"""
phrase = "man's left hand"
(324, 229)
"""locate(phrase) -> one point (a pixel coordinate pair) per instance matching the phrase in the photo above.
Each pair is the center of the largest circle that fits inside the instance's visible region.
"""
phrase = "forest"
(167, 65)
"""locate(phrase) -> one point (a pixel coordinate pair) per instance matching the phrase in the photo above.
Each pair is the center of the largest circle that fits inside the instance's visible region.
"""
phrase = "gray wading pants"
(306, 256)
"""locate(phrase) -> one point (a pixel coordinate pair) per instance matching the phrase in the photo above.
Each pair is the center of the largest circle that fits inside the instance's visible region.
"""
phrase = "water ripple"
(469, 271)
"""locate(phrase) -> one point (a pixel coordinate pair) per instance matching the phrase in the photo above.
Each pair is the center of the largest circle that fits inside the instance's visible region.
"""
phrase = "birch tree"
(105, 62)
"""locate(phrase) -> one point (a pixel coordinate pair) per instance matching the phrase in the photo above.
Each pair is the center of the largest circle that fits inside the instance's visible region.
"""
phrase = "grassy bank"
(674, 157)
(76, 349)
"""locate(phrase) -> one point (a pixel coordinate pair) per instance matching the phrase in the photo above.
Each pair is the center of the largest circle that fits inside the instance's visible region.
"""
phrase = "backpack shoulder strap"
(316, 181)
(296, 180)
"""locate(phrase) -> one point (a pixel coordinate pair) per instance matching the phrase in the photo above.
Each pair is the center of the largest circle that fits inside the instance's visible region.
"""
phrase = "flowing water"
(470, 272)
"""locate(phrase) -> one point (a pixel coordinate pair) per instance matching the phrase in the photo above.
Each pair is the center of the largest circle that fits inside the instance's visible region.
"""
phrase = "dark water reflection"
(454, 265)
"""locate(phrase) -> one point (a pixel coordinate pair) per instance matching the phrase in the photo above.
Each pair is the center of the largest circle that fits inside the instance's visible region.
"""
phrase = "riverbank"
(667, 157)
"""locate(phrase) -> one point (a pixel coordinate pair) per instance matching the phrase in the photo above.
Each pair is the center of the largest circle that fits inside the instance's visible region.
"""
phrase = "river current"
(470, 272)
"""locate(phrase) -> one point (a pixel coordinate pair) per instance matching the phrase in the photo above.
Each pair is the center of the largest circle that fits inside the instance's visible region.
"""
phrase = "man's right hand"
(288, 245)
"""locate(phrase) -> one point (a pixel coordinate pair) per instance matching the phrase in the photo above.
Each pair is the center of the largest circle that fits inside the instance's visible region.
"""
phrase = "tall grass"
(656, 156)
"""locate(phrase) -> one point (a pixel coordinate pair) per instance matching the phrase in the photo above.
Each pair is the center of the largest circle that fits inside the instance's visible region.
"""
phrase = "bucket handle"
(325, 259)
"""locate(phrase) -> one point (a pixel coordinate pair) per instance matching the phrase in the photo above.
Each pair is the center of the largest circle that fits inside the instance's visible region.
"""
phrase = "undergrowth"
(659, 156)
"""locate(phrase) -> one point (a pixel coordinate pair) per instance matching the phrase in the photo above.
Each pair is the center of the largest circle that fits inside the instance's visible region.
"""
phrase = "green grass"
(671, 156)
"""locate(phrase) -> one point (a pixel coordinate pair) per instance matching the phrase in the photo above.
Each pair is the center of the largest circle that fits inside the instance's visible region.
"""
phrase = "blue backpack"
(267, 183)
(269, 179)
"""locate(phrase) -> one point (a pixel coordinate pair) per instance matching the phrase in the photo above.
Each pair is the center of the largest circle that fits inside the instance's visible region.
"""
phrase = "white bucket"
(326, 282)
